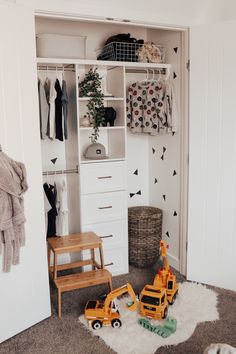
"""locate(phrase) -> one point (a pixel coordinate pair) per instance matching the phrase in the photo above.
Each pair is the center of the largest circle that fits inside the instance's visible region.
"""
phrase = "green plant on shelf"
(90, 87)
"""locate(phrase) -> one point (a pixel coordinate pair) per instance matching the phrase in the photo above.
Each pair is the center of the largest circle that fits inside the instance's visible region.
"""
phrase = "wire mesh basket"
(132, 52)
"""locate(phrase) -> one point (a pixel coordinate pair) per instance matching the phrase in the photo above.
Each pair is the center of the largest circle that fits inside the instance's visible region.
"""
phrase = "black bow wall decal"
(137, 193)
(163, 155)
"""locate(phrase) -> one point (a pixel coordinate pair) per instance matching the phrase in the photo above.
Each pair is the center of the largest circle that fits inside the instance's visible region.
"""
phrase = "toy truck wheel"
(173, 300)
(97, 324)
(165, 313)
(116, 323)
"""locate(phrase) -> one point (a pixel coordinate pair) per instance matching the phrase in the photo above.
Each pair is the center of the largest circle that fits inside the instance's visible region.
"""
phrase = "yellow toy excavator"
(104, 313)
(165, 278)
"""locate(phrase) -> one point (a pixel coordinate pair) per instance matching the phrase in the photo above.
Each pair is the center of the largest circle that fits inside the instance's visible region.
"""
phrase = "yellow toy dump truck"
(153, 302)
(165, 279)
(105, 313)
(154, 298)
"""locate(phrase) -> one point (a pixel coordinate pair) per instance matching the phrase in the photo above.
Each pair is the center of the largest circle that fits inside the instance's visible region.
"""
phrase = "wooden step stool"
(77, 243)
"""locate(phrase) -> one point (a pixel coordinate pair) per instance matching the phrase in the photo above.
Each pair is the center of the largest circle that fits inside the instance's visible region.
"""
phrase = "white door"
(24, 291)
(211, 254)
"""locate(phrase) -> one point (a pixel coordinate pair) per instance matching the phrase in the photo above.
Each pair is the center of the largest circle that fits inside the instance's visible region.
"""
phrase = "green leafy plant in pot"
(90, 87)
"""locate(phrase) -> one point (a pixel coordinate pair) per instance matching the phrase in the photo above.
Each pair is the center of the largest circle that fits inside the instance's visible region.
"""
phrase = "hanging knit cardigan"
(12, 186)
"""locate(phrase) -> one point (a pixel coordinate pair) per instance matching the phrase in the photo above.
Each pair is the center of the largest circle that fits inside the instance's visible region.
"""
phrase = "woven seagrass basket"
(145, 231)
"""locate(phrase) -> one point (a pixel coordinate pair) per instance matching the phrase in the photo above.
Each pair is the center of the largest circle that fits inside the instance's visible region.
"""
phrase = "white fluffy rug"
(194, 304)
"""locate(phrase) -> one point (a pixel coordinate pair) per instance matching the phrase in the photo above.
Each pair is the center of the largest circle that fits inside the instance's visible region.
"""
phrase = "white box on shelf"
(50, 45)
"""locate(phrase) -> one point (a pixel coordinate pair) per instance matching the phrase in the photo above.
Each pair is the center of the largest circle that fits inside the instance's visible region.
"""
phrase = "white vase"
(85, 122)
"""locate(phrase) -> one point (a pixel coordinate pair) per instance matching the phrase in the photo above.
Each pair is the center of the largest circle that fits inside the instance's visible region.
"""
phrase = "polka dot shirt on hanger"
(149, 107)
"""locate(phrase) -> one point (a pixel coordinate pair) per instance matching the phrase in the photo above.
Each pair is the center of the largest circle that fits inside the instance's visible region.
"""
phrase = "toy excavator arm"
(127, 288)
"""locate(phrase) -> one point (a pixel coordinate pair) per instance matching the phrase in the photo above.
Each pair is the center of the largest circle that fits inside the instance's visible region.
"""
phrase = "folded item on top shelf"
(123, 37)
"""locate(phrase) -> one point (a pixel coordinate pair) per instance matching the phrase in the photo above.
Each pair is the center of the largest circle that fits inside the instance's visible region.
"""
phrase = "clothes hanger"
(46, 178)
(47, 80)
(146, 80)
(153, 75)
(55, 185)
(57, 74)
(159, 77)
(167, 75)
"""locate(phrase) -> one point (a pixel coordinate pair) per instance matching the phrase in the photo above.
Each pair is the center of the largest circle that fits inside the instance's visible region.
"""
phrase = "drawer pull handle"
(104, 177)
(106, 236)
(108, 264)
(106, 207)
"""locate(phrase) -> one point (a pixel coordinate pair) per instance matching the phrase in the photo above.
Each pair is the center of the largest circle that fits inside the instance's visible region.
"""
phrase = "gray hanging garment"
(13, 184)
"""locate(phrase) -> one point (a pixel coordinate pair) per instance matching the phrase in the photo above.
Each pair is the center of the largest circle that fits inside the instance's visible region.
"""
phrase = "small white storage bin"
(51, 45)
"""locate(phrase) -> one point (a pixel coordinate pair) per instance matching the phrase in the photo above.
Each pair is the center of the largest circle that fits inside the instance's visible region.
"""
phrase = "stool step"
(82, 280)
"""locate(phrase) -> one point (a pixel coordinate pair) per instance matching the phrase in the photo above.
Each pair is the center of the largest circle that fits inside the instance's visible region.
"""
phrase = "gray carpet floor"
(68, 336)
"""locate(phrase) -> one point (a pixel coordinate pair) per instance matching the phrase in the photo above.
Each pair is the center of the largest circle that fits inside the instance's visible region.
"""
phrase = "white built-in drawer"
(103, 207)
(113, 234)
(102, 177)
(116, 261)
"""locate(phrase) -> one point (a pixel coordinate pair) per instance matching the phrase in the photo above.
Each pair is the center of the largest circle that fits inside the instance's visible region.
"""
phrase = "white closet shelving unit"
(103, 205)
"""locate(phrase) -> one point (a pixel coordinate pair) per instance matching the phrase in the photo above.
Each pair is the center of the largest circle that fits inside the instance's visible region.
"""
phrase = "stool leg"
(55, 266)
(101, 256)
(59, 303)
(93, 258)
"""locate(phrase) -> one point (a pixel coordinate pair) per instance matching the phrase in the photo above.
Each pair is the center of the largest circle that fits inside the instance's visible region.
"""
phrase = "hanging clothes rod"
(144, 71)
(61, 172)
(69, 67)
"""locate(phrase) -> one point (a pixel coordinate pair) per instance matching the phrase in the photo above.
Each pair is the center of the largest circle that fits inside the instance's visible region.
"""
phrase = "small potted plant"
(90, 87)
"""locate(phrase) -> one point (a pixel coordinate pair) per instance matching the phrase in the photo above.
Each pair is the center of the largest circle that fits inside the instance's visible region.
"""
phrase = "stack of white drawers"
(104, 210)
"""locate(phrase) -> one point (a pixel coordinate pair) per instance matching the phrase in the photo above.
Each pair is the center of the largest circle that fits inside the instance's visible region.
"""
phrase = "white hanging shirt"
(51, 120)
(43, 109)
(62, 209)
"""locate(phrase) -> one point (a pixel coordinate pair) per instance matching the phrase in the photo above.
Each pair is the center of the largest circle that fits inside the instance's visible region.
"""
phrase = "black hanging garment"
(58, 111)
(51, 194)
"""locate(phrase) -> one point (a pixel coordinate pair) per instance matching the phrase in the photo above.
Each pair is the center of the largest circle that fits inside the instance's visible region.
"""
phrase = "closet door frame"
(184, 109)
(25, 294)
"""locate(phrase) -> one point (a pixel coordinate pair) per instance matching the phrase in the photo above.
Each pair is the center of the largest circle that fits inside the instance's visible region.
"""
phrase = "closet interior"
(138, 168)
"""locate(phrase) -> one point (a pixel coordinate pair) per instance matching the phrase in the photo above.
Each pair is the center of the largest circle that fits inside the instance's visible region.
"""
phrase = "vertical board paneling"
(24, 290)
(11, 80)
(212, 179)
(167, 156)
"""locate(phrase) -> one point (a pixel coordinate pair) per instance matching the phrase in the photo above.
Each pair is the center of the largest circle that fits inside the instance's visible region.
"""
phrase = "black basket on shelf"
(145, 232)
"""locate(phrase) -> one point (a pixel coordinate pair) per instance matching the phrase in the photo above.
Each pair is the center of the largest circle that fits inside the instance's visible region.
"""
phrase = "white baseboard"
(174, 261)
